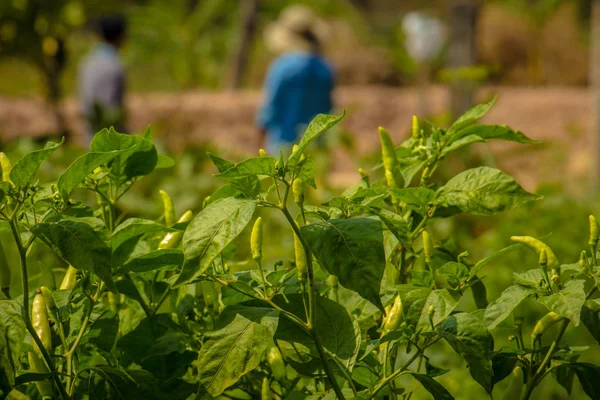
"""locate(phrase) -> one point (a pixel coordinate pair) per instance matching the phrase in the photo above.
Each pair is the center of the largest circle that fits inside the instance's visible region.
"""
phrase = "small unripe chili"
(298, 191)
(39, 320)
(256, 239)
(172, 239)
(395, 316)
(169, 208)
(6, 166)
(50, 303)
(416, 131)
(275, 361)
(301, 263)
(427, 246)
(543, 324)
(5, 272)
(265, 393)
(593, 242)
(70, 279)
(262, 153)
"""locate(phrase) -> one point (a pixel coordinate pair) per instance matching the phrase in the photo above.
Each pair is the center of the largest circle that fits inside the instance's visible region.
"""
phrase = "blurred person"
(299, 83)
(102, 78)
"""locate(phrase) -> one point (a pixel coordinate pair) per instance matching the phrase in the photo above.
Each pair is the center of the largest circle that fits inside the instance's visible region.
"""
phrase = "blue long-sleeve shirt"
(298, 86)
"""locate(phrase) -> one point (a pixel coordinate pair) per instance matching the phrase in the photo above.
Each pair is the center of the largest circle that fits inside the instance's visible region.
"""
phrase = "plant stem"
(26, 311)
(312, 301)
(540, 371)
(394, 375)
(262, 276)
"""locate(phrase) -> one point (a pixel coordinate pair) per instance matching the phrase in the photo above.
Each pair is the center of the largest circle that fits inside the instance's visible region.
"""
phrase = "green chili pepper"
(6, 166)
(593, 233)
(38, 366)
(298, 191)
(50, 303)
(543, 324)
(39, 320)
(70, 279)
(513, 392)
(275, 361)
(395, 316)
(537, 246)
(5, 273)
(256, 239)
(427, 246)
(301, 263)
(416, 131)
(266, 390)
(169, 208)
(388, 153)
(172, 239)
(263, 153)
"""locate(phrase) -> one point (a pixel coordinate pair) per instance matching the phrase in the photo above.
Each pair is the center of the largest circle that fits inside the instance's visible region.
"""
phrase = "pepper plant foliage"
(158, 312)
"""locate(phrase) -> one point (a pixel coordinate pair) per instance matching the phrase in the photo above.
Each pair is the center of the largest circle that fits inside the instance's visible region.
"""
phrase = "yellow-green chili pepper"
(301, 263)
(388, 154)
(537, 246)
(38, 366)
(427, 246)
(256, 239)
(6, 166)
(172, 239)
(593, 233)
(263, 153)
(169, 208)
(543, 324)
(50, 303)
(395, 316)
(39, 320)
(275, 361)
(70, 279)
(298, 191)
(5, 273)
(513, 392)
(416, 131)
(265, 393)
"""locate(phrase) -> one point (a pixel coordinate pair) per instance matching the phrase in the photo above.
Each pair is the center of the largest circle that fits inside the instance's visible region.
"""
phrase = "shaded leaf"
(25, 171)
(568, 302)
(503, 306)
(443, 302)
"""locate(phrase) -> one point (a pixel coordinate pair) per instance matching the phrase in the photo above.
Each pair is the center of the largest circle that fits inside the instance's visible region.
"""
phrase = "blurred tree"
(36, 31)
(595, 81)
(249, 16)
(537, 13)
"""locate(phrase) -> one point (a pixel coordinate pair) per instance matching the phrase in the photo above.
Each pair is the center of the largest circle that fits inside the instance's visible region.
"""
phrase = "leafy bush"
(182, 306)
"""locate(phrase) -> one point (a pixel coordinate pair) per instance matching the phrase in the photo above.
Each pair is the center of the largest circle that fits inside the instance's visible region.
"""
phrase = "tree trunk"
(242, 51)
(595, 85)
(462, 51)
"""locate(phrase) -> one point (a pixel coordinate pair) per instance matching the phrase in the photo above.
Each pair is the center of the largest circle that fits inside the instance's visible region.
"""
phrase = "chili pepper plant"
(160, 309)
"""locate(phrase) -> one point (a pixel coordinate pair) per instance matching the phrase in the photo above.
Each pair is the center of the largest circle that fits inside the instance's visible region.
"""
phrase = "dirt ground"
(558, 116)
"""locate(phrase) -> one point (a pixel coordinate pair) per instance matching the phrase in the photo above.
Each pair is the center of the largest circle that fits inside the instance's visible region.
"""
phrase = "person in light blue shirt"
(299, 83)
(102, 79)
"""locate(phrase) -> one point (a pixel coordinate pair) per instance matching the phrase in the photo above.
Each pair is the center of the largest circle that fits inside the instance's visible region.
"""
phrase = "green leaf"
(483, 191)
(395, 223)
(105, 382)
(503, 364)
(135, 227)
(530, 278)
(469, 337)
(443, 302)
(319, 125)
(11, 342)
(471, 116)
(503, 306)
(413, 300)
(221, 163)
(25, 171)
(79, 245)
(307, 172)
(210, 232)
(454, 270)
(588, 377)
(461, 142)
(103, 331)
(338, 332)
(152, 261)
(501, 132)
(250, 167)
(432, 386)
(352, 250)
(409, 170)
(164, 162)
(81, 168)
(482, 263)
(415, 196)
(590, 316)
(139, 155)
(568, 302)
(236, 348)
(422, 278)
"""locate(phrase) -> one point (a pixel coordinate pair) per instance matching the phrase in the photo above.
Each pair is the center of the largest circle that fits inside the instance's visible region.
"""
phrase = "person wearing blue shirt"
(102, 79)
(299, 83)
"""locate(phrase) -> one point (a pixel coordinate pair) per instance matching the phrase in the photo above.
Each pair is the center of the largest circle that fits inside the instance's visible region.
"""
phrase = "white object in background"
(425, 36)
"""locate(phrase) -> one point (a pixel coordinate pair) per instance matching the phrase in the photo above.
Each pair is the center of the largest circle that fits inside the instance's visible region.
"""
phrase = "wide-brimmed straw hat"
(297, 29)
